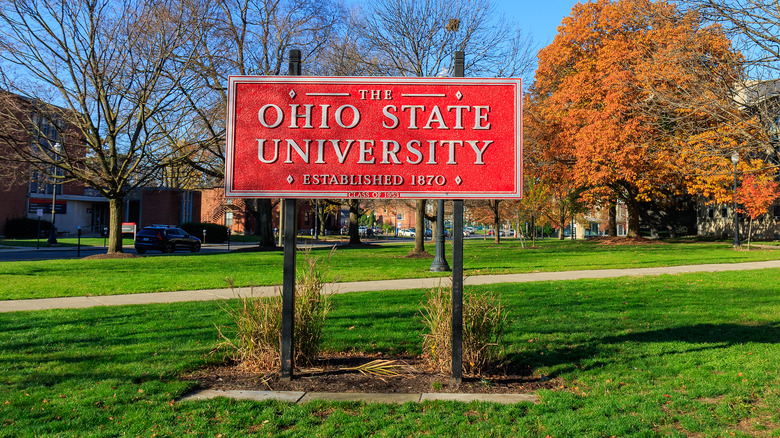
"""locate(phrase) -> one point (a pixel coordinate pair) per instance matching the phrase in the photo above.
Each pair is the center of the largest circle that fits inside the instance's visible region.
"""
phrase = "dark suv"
(165, 239)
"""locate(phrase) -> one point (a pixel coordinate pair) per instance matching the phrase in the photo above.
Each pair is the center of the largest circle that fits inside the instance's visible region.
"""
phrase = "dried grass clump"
(254, 339)
(485, 322)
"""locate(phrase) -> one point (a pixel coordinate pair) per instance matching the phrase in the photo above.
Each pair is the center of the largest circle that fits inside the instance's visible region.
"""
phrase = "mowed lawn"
(78, 277)
(672, 355)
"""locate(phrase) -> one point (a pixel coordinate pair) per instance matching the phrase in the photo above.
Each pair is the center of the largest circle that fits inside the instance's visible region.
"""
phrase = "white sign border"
(377, 81)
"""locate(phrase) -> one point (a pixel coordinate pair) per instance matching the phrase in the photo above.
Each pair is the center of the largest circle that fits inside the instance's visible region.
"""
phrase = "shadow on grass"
(687, 339)
(133, 344)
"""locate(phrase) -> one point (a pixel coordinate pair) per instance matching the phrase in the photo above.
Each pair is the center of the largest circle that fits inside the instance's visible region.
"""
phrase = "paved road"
(413, 283)
(68, 252)
(9, 254)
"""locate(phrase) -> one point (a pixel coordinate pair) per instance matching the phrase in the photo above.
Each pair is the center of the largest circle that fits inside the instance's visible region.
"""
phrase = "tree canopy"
(106, 75)
(592, 109)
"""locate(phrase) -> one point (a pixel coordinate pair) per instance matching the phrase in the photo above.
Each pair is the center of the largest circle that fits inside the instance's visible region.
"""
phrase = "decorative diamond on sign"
(292, 94)
(459, 95)
(458, 180)
(290, 179)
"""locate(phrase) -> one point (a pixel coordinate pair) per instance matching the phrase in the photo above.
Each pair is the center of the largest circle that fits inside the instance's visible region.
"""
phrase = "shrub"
(25, 228)
(256, 341)
(215, 233)
(485, 322)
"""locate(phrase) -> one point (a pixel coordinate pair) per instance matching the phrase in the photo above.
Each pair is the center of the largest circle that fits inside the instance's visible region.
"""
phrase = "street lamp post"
(735, 160)
(53, 231)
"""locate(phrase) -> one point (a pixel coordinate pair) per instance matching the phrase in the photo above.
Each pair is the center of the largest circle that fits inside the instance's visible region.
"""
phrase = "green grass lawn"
(58, 278)
(683, 355)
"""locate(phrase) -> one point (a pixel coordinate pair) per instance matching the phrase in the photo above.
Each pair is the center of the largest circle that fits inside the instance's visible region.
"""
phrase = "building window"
(186, 207)
(48, 130)
(41, 184)
(711, 213)
(229, 219)
(400, 216)
(724, 212)
(776, 211)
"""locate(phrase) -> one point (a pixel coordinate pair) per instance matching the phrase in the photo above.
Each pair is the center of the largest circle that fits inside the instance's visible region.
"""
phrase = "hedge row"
(215, 233)
(25, 228)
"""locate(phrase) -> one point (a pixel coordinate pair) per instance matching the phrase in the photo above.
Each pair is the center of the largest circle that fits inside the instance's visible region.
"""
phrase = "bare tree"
(248, 37)
(420, 37)
(106, 75)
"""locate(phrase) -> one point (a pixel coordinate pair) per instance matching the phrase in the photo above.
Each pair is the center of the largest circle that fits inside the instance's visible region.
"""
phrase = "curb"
(300, 397)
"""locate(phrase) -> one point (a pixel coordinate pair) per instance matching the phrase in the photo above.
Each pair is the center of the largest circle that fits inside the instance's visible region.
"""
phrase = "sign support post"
(457, 292)
(288, 276)
(457, 267)
(288, 291)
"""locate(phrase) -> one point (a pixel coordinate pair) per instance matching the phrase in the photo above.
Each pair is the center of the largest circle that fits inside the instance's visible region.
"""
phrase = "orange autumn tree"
(547, 161)
(756, 194)
(590, 90)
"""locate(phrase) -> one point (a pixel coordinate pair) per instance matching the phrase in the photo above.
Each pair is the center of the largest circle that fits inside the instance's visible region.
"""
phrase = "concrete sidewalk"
(360, 286)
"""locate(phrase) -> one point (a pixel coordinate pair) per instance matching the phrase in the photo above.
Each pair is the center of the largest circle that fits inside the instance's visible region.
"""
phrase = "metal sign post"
(457, 292)
(288, 276)
(457, 268)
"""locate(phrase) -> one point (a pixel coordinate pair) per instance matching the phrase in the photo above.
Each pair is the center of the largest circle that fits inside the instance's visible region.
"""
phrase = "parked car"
(409, 232)
(165, 239)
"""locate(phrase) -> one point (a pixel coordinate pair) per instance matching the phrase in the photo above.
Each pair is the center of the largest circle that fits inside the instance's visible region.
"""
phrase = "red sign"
(365, 137)
(128, 227)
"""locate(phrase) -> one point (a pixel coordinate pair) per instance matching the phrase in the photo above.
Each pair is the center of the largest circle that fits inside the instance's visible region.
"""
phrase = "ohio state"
(272, 116)
(324, 151)
(353, 180)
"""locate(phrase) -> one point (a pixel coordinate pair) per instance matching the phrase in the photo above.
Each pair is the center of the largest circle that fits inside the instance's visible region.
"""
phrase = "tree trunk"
(494, 204)
(533, 230)
(419, 225)
(115, 225)
(562, 226)
(612, 224)
(262, 211)
(354, 217)
(632, 209)
(322, 217)
(265, 223)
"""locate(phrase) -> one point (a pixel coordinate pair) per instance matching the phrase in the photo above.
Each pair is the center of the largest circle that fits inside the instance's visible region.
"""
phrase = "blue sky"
(539, 18)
